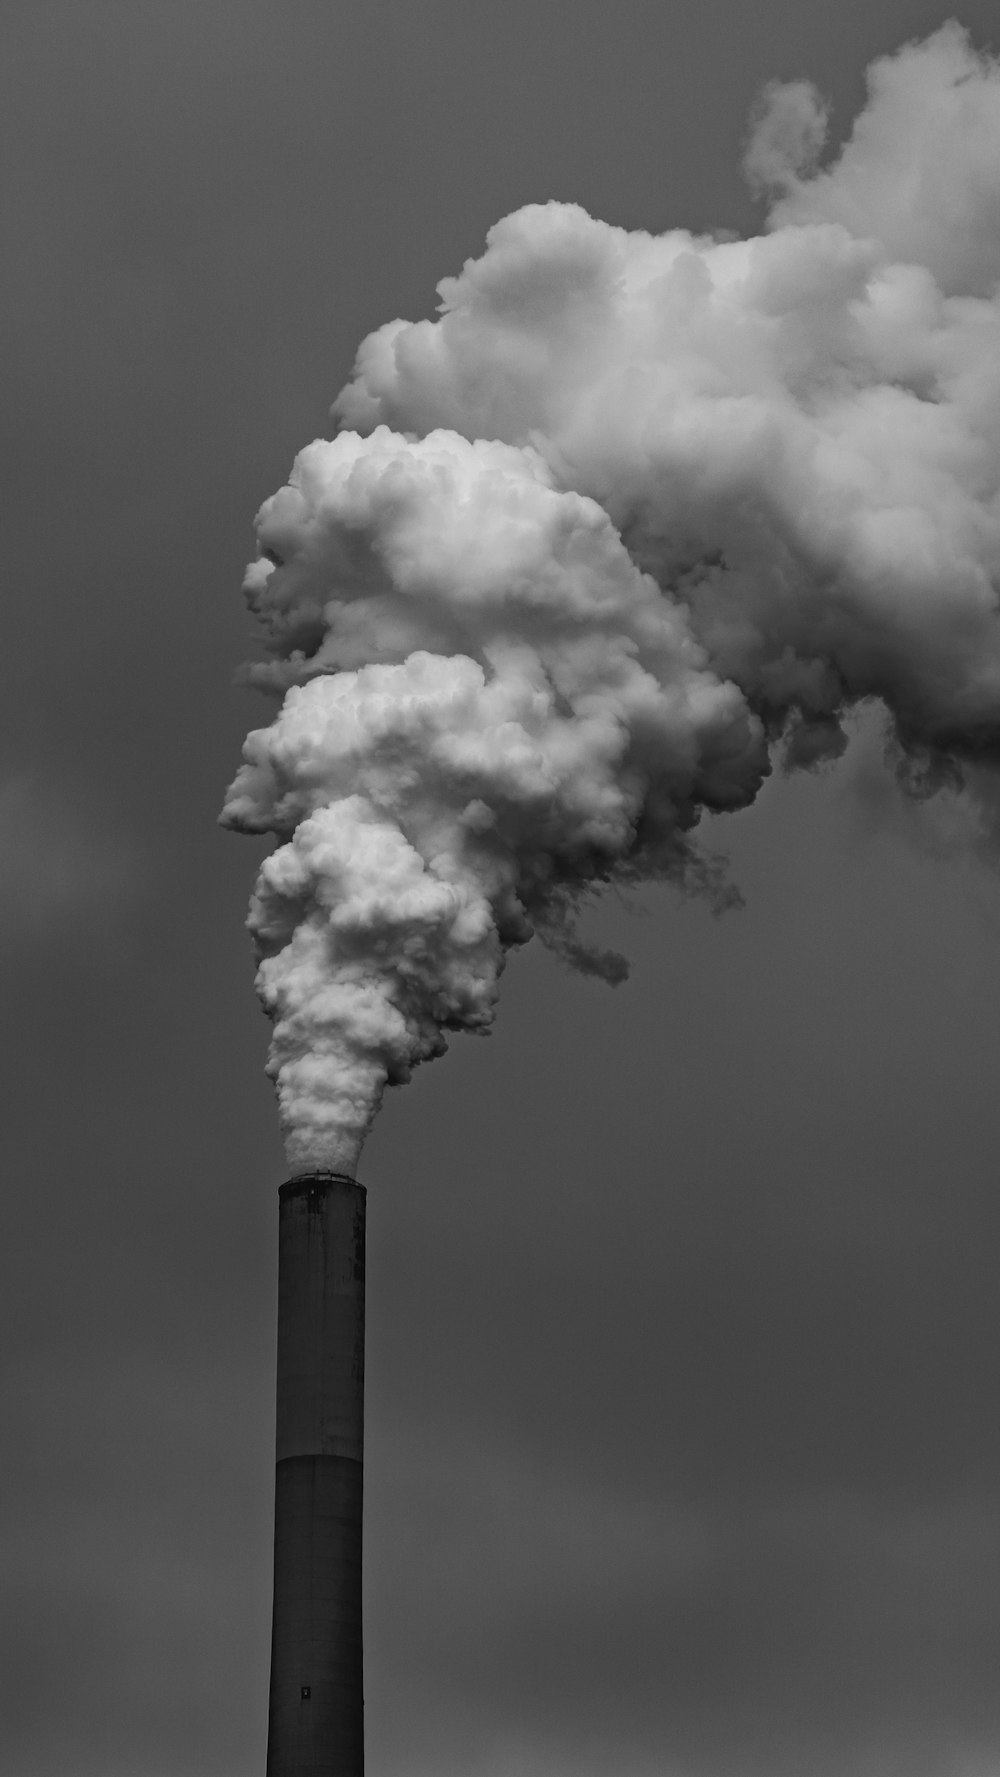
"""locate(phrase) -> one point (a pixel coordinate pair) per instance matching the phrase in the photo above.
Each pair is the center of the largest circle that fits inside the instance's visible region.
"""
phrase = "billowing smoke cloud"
(634, 513)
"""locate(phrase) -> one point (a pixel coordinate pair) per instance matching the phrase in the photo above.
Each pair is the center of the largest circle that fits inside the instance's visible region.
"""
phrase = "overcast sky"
(683, 1453)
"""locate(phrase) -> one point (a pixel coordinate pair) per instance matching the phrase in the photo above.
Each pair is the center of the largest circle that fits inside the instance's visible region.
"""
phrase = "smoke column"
(635, 516)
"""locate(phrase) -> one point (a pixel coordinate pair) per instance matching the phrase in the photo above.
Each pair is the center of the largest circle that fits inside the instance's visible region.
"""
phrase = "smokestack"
(316, 1715)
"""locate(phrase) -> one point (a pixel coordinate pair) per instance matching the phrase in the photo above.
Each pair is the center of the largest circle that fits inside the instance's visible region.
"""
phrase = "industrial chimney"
(316, 1716)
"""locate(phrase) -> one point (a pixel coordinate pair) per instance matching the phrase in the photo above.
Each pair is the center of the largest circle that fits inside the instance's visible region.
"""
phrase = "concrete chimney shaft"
(316, 1717)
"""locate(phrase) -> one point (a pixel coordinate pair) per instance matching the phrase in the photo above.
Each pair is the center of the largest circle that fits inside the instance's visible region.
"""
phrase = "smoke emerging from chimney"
(634, 515)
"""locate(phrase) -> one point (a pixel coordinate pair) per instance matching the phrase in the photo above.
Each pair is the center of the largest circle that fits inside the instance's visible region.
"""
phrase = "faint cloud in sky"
(60, 866)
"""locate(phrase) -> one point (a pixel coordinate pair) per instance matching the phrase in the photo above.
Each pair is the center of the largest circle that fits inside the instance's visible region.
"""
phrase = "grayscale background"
(684, 1335)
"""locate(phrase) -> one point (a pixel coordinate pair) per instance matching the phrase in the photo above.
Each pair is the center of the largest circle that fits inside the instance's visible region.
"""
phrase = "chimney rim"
(318, 1179)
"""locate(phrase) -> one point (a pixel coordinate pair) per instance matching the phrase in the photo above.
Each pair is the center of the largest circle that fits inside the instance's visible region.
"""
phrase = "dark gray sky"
(683, 1447)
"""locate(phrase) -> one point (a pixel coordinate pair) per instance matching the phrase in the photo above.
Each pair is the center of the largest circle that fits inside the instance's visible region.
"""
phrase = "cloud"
(919, 170)
(633, 516)
(787, 133)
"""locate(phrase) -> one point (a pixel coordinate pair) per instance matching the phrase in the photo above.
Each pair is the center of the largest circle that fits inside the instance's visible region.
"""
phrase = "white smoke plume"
(633, 513)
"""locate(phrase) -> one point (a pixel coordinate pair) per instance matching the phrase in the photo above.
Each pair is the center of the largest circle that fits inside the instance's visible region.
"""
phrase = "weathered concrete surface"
(316, 1720)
